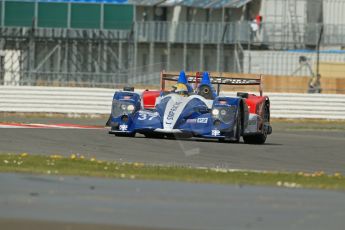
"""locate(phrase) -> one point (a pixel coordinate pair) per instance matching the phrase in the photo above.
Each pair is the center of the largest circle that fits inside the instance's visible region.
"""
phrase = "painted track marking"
(48, 126)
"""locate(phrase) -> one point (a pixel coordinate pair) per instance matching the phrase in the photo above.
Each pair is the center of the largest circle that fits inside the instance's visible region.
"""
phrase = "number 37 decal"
(147, 116)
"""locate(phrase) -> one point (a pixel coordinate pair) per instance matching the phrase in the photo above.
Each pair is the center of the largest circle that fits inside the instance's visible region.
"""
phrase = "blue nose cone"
(205, 79)
(182, 78)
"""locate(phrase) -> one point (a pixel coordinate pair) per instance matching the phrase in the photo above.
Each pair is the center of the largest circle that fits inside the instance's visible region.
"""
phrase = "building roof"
(146, 2)
(207, 4)
(214, 4)
(79, 1)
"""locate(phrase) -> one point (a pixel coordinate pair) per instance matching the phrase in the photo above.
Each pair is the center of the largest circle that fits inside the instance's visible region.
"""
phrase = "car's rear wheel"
(259, 139)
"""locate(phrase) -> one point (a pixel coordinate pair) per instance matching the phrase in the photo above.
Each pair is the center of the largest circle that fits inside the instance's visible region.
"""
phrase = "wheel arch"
(268, 105)
(244, 114)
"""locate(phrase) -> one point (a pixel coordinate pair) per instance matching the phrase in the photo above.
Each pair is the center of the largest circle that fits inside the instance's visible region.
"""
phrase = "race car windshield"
(122, 107)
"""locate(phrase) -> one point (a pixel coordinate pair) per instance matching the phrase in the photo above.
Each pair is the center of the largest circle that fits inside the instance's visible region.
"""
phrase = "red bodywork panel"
(149, 98)
(256, 104)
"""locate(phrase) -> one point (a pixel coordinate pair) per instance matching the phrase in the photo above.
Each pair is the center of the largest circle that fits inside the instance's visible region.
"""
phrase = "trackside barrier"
(98, 101)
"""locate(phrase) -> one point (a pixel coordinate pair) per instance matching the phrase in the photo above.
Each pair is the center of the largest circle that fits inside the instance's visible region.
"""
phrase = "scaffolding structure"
(64, 57)
(101, 57)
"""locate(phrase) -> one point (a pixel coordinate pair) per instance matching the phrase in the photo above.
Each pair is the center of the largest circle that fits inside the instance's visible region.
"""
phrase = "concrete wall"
(333, 12)
(332, 69)
(253, 9)
(314, 11)
(193, 14)
(278, 11)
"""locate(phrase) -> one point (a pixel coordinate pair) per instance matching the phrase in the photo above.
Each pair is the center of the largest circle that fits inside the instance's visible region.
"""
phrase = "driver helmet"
(180, 89)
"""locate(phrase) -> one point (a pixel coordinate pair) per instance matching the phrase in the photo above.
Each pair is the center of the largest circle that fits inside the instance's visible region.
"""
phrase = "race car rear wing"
(215, 79)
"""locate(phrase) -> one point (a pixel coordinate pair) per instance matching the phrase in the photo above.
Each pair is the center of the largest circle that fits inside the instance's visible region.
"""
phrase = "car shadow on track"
(203, 140)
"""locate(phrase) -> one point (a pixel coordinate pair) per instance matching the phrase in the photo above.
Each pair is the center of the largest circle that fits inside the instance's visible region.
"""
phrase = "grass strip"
(77, 164)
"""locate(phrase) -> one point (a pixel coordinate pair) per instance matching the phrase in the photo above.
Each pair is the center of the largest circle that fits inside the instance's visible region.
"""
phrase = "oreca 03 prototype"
(193, 108)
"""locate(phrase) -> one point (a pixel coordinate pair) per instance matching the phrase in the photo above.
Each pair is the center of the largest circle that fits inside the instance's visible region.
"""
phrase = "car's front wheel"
(125, 134)
(154, 135)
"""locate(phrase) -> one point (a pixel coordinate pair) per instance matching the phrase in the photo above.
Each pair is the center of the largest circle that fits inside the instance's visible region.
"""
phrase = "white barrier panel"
(98, 101)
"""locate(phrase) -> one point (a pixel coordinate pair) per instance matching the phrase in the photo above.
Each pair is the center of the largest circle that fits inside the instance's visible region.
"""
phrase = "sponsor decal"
(191, 121)
(221, 104)
(202, 120)
(123, 127)
(127, 97)
(215, 132)
(172, 112)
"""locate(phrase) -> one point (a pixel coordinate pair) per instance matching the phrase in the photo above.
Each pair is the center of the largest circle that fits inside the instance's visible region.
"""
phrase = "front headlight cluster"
(122, 108)
(224, 114)
(215, 112)
(130, 108)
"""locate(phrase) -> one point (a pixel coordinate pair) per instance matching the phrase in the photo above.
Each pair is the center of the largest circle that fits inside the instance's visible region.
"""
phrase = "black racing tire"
(154, 135)
(171, 136)
(222, 140)
(124, 134)
(259, 139)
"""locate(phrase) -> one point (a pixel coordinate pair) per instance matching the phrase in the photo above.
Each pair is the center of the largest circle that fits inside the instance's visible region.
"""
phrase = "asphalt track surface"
(35, 202)
(284, 151)
(52, 202)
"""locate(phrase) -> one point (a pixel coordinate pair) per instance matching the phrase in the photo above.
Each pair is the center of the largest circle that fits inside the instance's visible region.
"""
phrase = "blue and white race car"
(189, 111)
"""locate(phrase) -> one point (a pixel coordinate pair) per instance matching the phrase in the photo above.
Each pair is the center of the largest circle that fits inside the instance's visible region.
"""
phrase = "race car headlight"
(123, 107)
(225, 114)
(215, 112)
(130, 108)
(120, 108)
